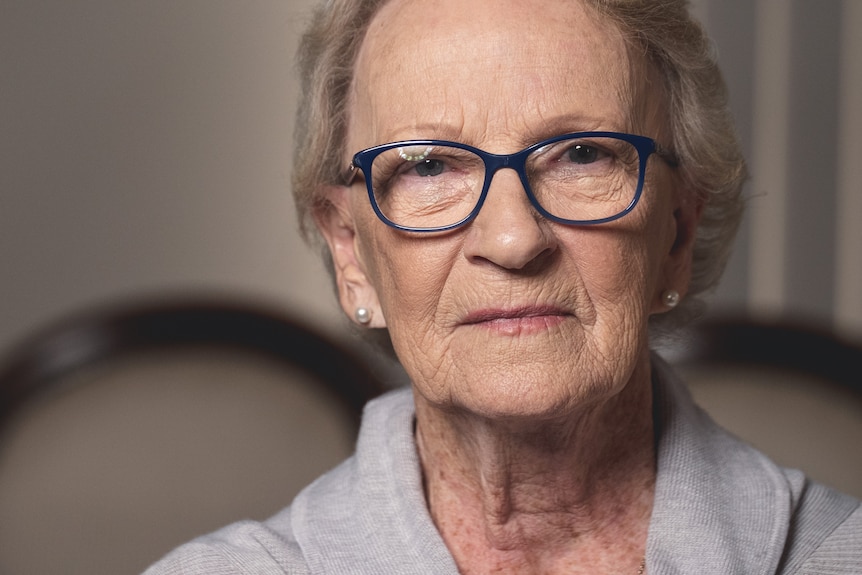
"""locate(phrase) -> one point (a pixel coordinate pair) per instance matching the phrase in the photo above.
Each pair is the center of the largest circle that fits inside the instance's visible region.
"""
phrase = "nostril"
(509, 233)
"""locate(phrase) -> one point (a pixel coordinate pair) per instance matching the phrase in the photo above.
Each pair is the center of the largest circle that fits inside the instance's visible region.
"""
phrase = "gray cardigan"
(721, 508)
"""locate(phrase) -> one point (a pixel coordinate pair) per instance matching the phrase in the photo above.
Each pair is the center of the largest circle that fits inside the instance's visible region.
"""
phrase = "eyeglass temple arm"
(667, 156)
(349, 175)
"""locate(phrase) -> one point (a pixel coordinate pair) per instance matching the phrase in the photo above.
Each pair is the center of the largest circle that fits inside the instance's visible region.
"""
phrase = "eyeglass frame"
(645, 146)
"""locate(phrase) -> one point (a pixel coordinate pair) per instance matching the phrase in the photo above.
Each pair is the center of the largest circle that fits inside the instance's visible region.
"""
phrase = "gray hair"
(701, 127)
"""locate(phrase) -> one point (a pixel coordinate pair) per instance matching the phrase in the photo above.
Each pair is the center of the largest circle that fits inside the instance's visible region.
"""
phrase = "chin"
(528, 394)
(547, 377)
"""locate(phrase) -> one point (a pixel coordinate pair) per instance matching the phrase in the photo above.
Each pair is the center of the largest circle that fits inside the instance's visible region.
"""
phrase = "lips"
(517, 320)
(481, 316)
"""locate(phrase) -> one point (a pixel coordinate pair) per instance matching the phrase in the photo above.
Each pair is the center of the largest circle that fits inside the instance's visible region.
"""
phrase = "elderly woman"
(518, 193)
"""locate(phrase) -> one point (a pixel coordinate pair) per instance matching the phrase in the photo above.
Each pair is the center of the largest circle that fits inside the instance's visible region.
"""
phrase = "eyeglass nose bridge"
(517, 162)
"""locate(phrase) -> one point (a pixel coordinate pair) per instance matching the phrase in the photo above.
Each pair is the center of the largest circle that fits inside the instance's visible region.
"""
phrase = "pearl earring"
(362, 315)
(670, 298)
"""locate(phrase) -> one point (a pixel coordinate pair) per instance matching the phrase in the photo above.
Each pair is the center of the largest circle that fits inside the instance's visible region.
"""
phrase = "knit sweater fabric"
(721, 508)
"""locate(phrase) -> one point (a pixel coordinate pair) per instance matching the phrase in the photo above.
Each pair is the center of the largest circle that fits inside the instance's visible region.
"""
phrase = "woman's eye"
(430, 168)
(583, 154)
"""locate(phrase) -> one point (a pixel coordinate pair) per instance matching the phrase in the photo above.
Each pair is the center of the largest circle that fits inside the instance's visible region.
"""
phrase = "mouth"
(517, 321)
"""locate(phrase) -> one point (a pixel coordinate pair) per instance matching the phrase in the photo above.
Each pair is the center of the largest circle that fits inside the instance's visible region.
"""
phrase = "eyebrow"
(547, 128)
(426, 131)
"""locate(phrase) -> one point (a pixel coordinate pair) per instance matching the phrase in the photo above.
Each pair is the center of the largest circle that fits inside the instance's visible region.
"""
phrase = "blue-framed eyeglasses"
(576, 179)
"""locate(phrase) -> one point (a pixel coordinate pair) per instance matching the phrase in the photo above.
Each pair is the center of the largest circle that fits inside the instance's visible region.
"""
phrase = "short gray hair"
(702, 131)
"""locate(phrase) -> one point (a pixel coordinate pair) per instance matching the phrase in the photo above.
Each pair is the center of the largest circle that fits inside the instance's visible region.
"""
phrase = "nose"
(507, 231)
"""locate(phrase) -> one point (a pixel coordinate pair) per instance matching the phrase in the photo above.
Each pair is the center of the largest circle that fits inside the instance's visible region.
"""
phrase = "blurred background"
(145, 147)
(794, 70)
(145, 152)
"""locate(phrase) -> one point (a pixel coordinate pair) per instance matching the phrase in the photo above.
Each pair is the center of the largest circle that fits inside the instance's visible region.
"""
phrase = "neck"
(572, 490)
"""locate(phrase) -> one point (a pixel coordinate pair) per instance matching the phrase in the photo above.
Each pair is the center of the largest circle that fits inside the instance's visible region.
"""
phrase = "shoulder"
(826, 535)
(720, 498)
(270, 547)
(331, 520)
(243, 548)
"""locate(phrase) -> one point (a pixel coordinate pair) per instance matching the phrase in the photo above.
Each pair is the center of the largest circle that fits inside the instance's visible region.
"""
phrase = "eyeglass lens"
(434, 186)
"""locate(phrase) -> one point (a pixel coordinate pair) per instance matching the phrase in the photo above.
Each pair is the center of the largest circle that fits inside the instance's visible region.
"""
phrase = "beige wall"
(794, 68)
(145, 148)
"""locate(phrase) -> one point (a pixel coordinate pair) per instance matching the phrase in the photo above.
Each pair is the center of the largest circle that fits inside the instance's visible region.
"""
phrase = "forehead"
(475, 69)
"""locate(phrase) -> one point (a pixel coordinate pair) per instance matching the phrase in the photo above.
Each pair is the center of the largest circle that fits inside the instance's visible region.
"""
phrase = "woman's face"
(510, 315)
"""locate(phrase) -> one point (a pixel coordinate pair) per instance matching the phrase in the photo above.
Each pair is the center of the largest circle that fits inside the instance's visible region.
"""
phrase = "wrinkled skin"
(521, 336)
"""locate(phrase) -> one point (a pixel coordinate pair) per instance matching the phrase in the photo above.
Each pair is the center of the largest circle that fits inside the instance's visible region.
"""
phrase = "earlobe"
(334, 219)
(676, 272)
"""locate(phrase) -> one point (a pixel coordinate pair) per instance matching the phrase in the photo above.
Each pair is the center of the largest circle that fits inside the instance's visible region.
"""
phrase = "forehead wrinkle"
(439, 111)
(459, 108)
(372, 93)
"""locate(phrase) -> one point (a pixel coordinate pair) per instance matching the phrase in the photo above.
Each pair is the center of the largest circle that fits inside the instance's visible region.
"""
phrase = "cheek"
(621, 267)
(413, 280)
(614, 267)
(409, 275)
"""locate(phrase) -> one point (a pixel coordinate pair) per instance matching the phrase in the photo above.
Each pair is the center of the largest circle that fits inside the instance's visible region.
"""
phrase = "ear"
(334, 218)
(676, 270)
